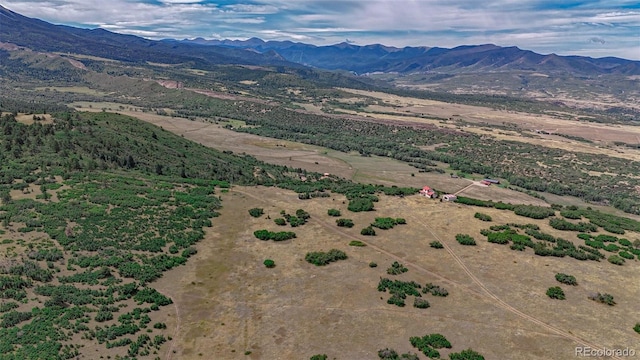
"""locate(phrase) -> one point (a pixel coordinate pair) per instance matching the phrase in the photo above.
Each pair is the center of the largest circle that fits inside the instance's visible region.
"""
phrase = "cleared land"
(227, 302)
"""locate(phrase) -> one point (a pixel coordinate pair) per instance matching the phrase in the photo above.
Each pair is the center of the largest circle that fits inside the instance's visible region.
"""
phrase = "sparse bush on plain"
(566, 279)
(269, 263)
(467, 354)
(556, 292)
(602, 298)
(436, 245)
(616, 260)
(357, 243)
(421, 303)
(333, 212)
(396, 269)
(368, 231)
(482, 217)
(348, 223)
(465, 239)
(320, 258)
(256, 212)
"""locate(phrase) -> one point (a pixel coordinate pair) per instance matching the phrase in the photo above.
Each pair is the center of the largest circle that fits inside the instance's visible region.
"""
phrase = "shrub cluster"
(602, 298)
(566, 279)
(465, 239)
(348, 223)
(368, 231)
(616, 260)
(357, 243)
(399, 290)
(562, 224)
(396, 269)
(435, 290)
(481, 216)
(360, 204)
(555, 292)
(386, 223)
(275, 236)
(467, 354)
(421, 303)
(256, 212)
(436, 245)
(429, 343)
(300, 218)
(320, 258)
(333, 212)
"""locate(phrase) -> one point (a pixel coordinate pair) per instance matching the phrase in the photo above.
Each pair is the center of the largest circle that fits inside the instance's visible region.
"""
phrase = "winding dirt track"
(502, 303)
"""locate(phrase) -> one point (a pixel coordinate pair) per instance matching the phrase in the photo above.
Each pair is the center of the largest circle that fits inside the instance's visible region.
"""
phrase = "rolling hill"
(39, 35)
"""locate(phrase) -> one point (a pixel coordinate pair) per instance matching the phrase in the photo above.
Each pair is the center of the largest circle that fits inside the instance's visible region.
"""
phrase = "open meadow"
(227, 303)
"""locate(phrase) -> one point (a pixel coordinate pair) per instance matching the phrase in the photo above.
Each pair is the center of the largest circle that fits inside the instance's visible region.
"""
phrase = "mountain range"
(468, 58)
(39, 35)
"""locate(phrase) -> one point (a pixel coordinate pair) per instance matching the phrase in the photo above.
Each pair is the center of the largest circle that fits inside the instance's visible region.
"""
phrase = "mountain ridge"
(464, 58)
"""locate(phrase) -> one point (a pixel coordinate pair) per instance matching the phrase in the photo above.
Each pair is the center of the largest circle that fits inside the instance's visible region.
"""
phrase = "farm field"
(228, 303)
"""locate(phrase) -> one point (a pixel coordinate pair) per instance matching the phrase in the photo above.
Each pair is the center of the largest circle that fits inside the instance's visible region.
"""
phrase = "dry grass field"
(228, 303)
(605, 133)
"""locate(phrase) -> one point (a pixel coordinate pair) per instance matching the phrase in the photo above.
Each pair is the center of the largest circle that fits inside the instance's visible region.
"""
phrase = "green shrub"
(387, 222)
(280, 221)
(626, 255)
(611, 248)
(615, 259)
(368, 231)
(396, 300)
(464, 239)
(421, 303)
(360, 204)
(256, 212)
(429, 343)
(625, 242)
(562, 224)
(555, 292)
(388, 354)
(373, 264)
(436, 245)
(637, 328)
(275, 236)
(534, 212)
(357, 243)
(602, 298)
(345, 223)
(333, 212)
(269, 263)
(396, 269)
(566, 279)
(435, 290)
(320, 258)
(483, 217)
(467, 354)
(319, 357)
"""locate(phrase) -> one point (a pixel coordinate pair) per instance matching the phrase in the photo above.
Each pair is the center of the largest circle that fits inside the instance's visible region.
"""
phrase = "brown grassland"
(227, 302)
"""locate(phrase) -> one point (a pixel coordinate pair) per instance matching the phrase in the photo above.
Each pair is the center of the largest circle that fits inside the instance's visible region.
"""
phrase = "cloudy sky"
(592, 28)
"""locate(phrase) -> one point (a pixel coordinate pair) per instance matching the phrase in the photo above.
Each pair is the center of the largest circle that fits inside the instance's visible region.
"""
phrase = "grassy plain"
(228, 303)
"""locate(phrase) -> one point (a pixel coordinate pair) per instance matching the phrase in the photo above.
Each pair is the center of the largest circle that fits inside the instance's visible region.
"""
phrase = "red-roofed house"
(428, 192)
